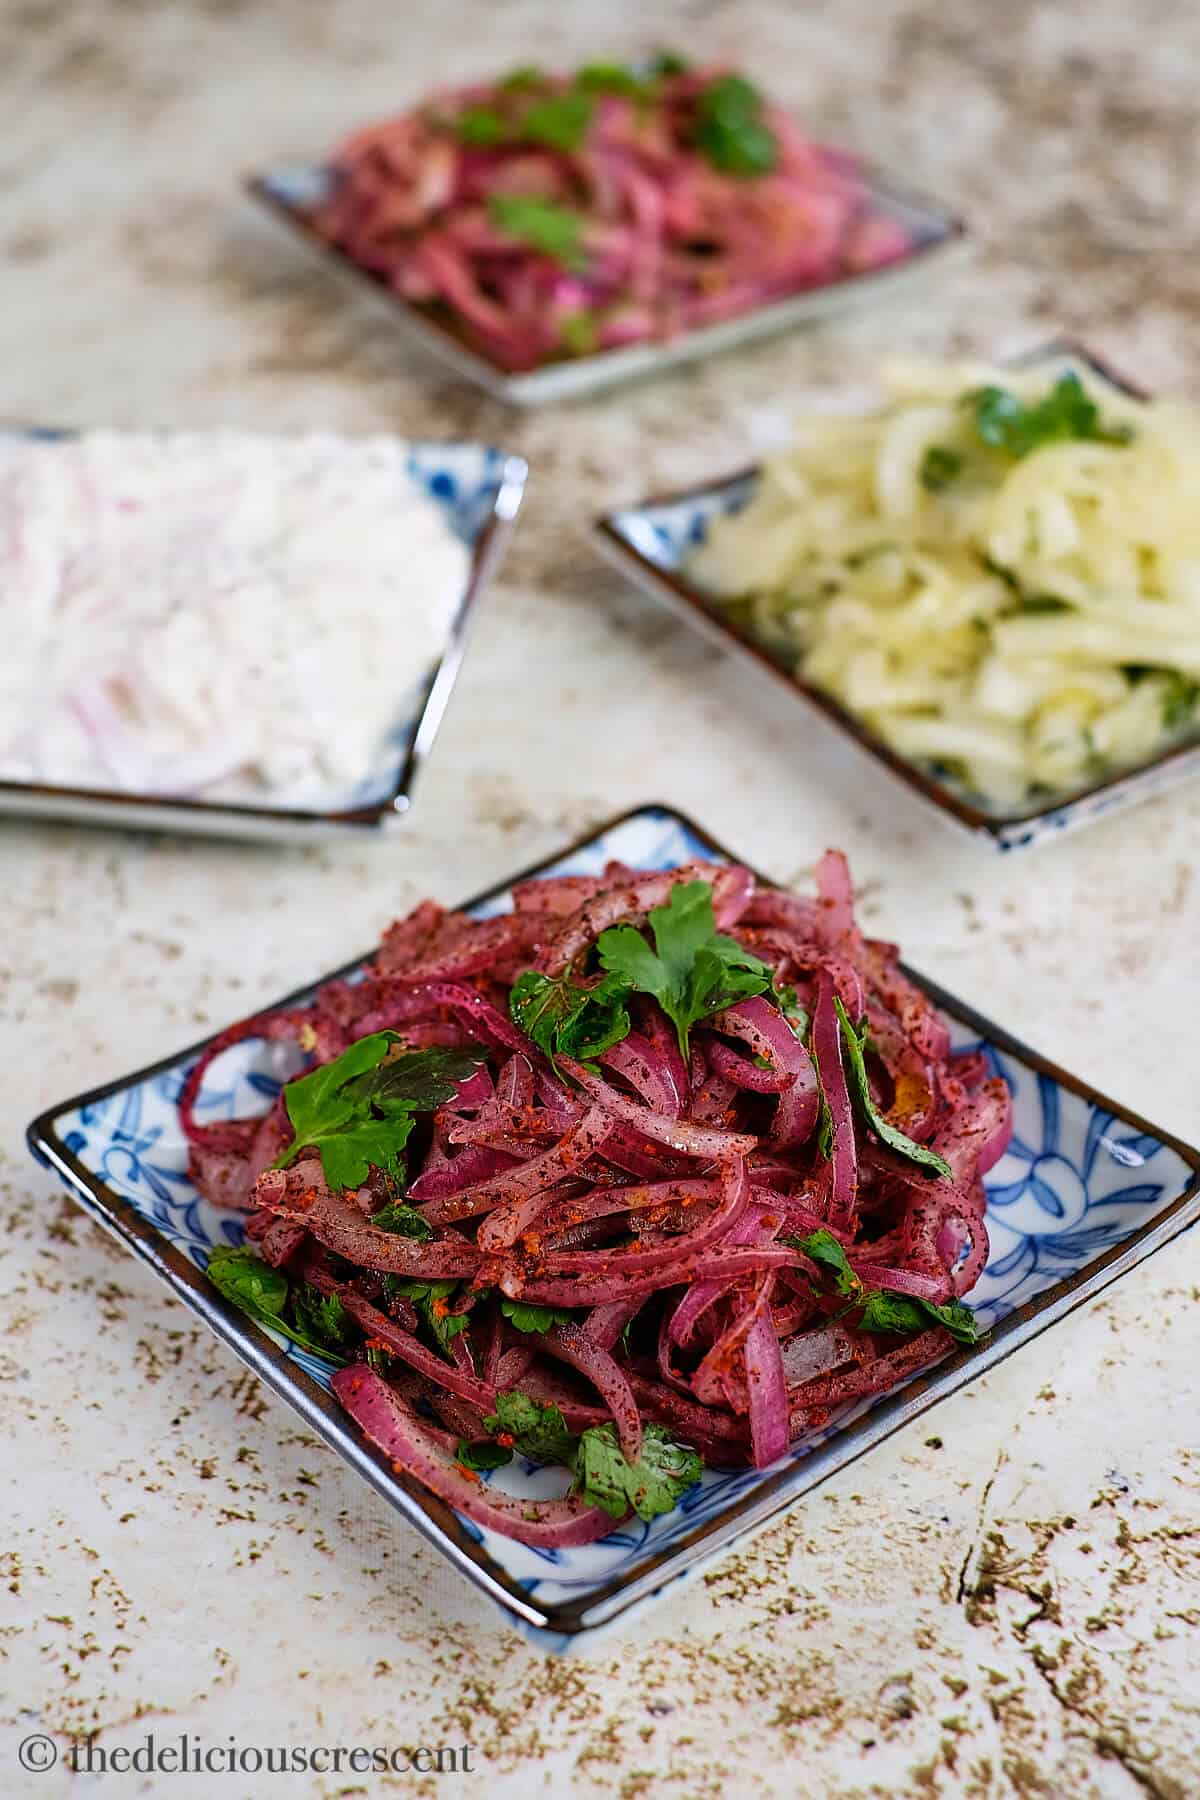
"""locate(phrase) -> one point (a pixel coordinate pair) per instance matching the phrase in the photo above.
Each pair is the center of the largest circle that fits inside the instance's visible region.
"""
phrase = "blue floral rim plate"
(479, 488)
(289, 192)
(1084, 1193)
(649, 544)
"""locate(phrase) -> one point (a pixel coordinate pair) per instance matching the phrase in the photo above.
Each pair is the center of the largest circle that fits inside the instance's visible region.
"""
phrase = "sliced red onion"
(582, 1352)
(679, 1134)
(827, 1047)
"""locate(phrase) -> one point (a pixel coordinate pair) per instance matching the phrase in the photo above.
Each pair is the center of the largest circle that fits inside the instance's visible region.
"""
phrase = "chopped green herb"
(822, 1247)
(729, 128)
(565, 1019)
(534, 1318)
(560, 121)
(900, 1312)
(432, 1301)
(668, 62)
(538, 1432)
(940, 467)
(611, 78)
(579, 333)
(651, 1486)
(860, 1088)
(357, 1111)
(557, 231)
(693, 970)
(263, 1294)
(406, 1221)
(523, 79)
(482, 126)
(483, 1455)
(1005, 422)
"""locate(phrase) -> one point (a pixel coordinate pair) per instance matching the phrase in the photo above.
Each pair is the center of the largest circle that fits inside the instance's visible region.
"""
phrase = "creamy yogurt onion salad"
(219, 614)
(997, 571)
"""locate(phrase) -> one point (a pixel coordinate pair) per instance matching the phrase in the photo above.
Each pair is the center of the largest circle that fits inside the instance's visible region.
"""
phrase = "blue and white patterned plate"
(479, 489)
(1085, 1191)
(650, 544)
(289, 192)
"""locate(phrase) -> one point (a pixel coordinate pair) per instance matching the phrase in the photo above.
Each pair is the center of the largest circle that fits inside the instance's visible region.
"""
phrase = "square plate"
(479, 489)
(1085, 1192)
(290, 191)
(649, 543)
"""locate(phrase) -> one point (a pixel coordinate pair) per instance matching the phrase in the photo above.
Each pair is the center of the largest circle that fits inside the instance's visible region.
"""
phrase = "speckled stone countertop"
(1005, 1600)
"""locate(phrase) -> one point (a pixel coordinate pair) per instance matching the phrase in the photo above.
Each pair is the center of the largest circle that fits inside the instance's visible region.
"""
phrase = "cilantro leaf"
(557, 231)
(693, 970)
(611, 78)
(357, 1111)
(405, 1221)
(262, 1293)
(900, 1312)
(1004, 421)
(484, 1455)
(533, 1318)
(939, 468)
(650, 1486)
(523, 79)
(564, 1019)
(432, 1301)
(482, 126)
(729, 129)
(322, 1316)
(538, 1432)
(860, 1089)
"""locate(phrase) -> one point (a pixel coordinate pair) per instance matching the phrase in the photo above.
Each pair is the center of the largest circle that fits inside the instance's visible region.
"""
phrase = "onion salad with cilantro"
(998, 572)
(652, 1172)
(552, 216)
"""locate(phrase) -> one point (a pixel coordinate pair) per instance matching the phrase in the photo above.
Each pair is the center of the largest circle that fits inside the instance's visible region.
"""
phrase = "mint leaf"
(860, 1090)
(565, 1019)
(649, 1487)
(1005, 422)
(939, 468)
(538, 1432)
(262, 1293)
(405, 1221)
(484, 1455)
(534, 1318)
(693, 970)
(357, 1111)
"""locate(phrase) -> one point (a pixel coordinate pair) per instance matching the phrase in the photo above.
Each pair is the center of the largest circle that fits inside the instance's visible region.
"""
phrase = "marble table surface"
(1005, 1600)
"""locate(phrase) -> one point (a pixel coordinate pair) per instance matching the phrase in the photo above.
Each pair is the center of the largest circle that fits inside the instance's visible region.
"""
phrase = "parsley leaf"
(822, 1247)
(482, 126)
(939, 468)
(603, 1477)
(484, 1455)
(860, 1089)
(405, 1221)
(534, 1318)
(538, 1432)
(432, 1301)
(579, 333)
(693, 970)
(729, 129)
(900, 1312)
(564, 1019)
(611, 78)
(557, 231)
(560, 121)
(1005, 422)
(357, 1111)
(650, 1486)
(263, 1293)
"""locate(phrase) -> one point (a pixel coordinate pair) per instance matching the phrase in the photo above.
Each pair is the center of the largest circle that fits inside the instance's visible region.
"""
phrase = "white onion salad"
(998, 572)
(216, 614)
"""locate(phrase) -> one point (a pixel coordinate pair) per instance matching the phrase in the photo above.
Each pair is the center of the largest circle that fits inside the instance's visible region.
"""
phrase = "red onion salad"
(551, 216)
(655, 1170)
